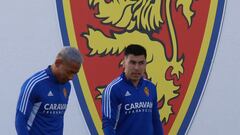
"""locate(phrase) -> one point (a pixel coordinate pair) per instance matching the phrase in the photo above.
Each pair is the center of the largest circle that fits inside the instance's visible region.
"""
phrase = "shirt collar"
(51, 75)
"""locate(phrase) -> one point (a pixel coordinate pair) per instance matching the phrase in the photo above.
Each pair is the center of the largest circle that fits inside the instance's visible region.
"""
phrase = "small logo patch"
(127, 94)
(50, 94)
(146, 91)
(65, 92)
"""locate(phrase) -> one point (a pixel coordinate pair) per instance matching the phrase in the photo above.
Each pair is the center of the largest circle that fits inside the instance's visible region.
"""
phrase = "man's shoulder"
(37, 74)
(35, 82)
(148, 82)
(115, 82)
(67, 85)
(114, 85)
(36, 78)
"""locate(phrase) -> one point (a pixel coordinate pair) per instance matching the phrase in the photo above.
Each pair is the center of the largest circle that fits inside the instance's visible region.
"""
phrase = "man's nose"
(136, 66)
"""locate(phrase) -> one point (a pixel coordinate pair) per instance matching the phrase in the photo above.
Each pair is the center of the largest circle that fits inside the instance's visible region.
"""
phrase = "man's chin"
(63, 81)
(136, 78)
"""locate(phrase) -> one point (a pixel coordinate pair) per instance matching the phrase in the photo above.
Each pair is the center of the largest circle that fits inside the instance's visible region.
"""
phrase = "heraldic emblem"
(180, 37)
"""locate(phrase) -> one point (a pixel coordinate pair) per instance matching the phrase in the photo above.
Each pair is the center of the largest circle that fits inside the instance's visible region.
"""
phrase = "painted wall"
(30, 38)
(219, 109)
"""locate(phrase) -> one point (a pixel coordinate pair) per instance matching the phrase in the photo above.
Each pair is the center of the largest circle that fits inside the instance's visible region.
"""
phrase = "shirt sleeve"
(157, 125)
(110, 110)
(24, 107)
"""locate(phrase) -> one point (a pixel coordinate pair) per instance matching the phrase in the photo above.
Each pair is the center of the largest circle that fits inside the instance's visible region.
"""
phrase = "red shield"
(180, 38)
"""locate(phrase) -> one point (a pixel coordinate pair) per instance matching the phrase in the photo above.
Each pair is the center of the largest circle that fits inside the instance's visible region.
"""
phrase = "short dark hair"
(136, 50)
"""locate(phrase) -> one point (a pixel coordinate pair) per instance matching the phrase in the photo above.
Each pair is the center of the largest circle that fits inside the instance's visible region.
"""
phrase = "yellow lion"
(138, 19)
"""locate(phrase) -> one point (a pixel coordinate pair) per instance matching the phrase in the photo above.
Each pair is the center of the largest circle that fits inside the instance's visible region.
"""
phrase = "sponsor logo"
(54, 108)
(138, 107)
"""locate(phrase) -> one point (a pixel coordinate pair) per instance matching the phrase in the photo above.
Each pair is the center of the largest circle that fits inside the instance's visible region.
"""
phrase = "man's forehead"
(136, 57)
(72, 65)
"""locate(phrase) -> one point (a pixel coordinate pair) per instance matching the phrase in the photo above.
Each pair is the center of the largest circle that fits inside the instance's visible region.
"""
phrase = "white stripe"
(118, 115)
(25, 92)
(107, 97)
(109, 100)
(32, 116)
(25, 107)
(27, 89)
(28, 127)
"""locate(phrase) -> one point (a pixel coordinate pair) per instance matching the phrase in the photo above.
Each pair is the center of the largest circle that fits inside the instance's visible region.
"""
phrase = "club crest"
(180, 38)
(146, 91)
(65, 93)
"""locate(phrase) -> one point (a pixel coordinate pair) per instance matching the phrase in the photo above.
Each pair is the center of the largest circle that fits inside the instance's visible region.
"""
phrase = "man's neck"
(54, 71)
(135, 83)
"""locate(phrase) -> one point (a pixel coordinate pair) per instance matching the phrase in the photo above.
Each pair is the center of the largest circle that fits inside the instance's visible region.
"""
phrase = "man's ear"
(58, 62)
(123, 62)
